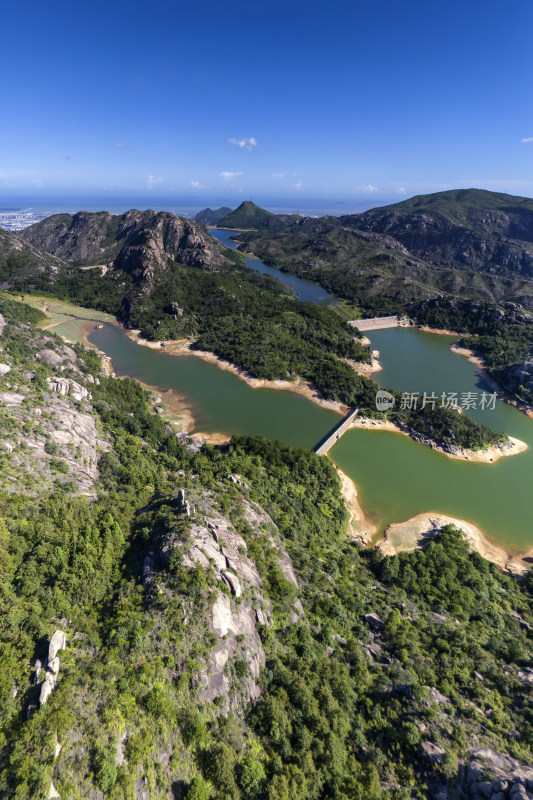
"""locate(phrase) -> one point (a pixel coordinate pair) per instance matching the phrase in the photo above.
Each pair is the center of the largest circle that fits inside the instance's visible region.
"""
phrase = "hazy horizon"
(365, 102)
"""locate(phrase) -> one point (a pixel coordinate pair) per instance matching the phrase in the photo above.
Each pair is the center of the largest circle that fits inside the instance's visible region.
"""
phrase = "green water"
(221, 402)
(396, 477)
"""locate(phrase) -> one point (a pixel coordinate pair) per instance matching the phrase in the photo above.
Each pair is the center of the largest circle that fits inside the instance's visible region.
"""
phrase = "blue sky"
(280, 100)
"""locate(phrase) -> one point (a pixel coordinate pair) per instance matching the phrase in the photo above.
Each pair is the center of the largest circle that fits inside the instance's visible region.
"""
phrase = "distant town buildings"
(15, 219)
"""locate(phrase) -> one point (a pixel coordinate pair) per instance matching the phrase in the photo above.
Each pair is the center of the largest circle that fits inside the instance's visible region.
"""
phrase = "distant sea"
(187, 207)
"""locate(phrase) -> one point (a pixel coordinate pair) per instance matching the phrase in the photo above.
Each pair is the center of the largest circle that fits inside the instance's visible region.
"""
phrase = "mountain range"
(459, 259)
(468, 243)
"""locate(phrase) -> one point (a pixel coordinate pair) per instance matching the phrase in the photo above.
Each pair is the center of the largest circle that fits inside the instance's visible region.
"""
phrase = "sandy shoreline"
(418, 530)
(180, 347)
(440, 331)
(183, 347)
(489, 455)
(479, 362)
(398, 537)
(359, 527)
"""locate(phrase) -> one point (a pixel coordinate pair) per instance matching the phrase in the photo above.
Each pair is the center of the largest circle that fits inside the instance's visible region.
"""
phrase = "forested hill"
(461, 260)
(467, 243)
(210, 216)
(18, 258)
(139, 238)
(193, 623)
(247, 215)
(172, 281)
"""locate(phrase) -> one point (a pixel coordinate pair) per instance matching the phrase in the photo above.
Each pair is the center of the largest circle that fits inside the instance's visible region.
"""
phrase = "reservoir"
(396, 477)
(302, 290)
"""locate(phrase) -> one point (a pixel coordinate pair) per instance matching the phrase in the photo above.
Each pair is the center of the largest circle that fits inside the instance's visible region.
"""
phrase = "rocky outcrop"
(67, 386)
(236, 611)
(183, 504)
(57, 642)
(56, 357)
(138, 242)
(496, 776)
(519, 379)
(374, 621)
(216, 544)
(262, 524)
(30, 260)
(431, 752)
(469, 228)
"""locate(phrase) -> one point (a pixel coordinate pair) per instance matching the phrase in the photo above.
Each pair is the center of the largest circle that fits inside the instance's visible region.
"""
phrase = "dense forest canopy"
(392, 705)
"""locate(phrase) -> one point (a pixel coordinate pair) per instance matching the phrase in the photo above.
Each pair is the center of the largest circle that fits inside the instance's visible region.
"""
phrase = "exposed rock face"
(213, 544)
(67, 386)
(62, 433)
(229, 623)
(216, 543)
(441, 240)
(138, 242)
(4, 369)
(30, 260)
(2, 324)
(374, 621)
(260, 521)
(433, 753)
(73, 237)
(519, 379)
(510, 778)
(52, 792)
(56, 357)
(57, 642)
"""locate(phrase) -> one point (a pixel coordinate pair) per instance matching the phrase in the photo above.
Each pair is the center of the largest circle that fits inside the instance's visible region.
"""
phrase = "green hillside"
(247, 215)
(210, 216)
(221, 637)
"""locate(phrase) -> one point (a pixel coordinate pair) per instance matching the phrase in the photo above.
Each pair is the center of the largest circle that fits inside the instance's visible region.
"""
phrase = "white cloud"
(152, 181)
(278, 174)
(368, 189)
(229, 175)
(245, 144)
(120, 146)
(298, 186)
(197, 185)
(401, 190)
(527, 139)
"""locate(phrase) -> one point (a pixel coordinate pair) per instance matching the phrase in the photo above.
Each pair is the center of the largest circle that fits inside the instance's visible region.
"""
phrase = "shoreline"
(180, 347)
(488, 456)
(439, 331)
(359, 526)
(415, 532)
(478, 361)
(183, 347)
